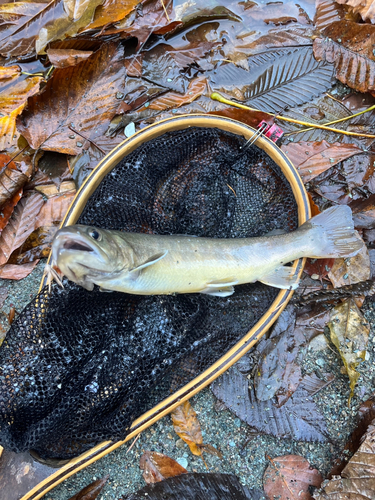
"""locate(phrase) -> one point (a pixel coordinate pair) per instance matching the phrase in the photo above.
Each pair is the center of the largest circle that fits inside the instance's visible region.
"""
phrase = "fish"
(149, 264)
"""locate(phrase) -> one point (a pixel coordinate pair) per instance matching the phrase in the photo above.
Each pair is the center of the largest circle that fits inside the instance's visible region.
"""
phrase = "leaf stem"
(165, 10)
(335, 121)
(217, 97)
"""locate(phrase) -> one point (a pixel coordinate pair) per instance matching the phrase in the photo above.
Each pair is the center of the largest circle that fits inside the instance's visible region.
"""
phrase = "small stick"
(165, 10)
(133, 443)
(86, 139)
(15, 156)
(217, 97)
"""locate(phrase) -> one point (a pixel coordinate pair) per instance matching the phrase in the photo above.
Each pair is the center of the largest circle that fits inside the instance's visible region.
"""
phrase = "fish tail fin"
(335, 235)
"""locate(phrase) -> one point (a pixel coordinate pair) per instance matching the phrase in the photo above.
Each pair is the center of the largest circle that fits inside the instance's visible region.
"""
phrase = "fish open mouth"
(77, 245)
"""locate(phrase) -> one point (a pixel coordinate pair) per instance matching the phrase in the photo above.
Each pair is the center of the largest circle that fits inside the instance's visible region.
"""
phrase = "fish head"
(85, 254)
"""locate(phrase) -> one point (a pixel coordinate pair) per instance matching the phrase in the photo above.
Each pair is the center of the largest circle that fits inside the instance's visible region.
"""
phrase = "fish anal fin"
(282, 277)
(223, 291)
(149, 262)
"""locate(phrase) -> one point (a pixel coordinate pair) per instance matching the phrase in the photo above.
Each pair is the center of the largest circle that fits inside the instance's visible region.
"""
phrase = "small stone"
(320, 362)
(182, 461)
(129, 129)
(180, 444)
(79, 144)
(315, 276)
(119, 95)
(72, 136)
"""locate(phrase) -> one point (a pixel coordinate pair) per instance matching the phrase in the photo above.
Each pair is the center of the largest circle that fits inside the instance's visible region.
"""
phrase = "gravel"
(244, 452)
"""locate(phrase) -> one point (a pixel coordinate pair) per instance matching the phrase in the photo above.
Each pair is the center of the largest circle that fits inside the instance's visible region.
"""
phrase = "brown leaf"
(350, 271)
(349, 332)
(328, 11)
(7, 209)
(349, 46)
(41, 23)
(91, 491)
(12, 177)
(187, 426)
(313, 384)
(357, 481)
(12, 101)
(289, 478)
(58, 201)
(314, 158)
(364, 213)
(359, 172)
(37, 246)
(111, 12)
(157, 467)
(20, 225)
(366, 8)
(88, 109)
(62, 58)
(14, 272)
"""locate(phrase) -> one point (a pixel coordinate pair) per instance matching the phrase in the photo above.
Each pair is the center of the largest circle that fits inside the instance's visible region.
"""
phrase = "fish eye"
(95, 234)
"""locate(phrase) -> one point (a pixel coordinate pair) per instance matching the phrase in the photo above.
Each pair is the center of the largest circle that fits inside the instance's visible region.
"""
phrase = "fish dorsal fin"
(149, 262)
(282, 277)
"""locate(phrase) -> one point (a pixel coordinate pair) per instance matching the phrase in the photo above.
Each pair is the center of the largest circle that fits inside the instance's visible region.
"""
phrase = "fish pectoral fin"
(223, 291)
(152, 260)
(282, 277)
(220, 288)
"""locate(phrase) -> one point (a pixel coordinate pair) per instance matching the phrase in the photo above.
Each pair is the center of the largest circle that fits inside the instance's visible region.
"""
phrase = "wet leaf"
(314, 158)
(41, 23)
(12, 101)
(111, 12)
(252, 118)
(290, 478)
(194, 486)
(313, 384)
(349, 332)
(20, 225)
(359, 172)
(281, 78)
(62, 58)
(14, 272)
(352, 270)
(91, 491)
(158, 467)
(364, 213)
(12, 178)
(366, 8)
(57, 203)
(187, 426)
(279, 38)
(329, 11)
(357, 481)
(37, 246)
(88, 109)
(55, 168)
(7, 209)
(298, 418)
(349, 46)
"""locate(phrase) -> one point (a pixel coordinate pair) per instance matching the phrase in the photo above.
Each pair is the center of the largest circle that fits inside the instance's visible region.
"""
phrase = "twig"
(217, 97)
(86, 139)
(165, 10)
(15, 156)
(133, 443)
(335, 121)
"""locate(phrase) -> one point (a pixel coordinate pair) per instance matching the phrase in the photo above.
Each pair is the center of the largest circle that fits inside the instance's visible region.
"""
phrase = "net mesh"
(78, 367)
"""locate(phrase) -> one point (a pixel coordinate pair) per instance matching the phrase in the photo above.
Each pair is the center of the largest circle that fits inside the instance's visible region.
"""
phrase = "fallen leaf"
(57, 203)
(290, 477)
(357, 480)
(297, 419)
(158, 467)
(9, 72)
(351, 270)
(366, 8)
(197, 486)
(41, 23)
(349, 46)
(359, 172)
(313, 384)
(364, 213)
(88, 109)
(7, 209)
(111, 12)
(329, 11)
(279, 38)
(349, 332)
(37, 245)
(252, 118)
(313, 158)
(187, 426)
(12, 101)
(14, 272)
(91, 491)
(62, 58)
(12, 177)
(285, 77)
(55, 168)
(20, 225)
(366, 414)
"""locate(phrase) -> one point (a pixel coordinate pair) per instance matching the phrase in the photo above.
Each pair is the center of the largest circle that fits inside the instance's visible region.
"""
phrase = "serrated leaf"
(187, 426)
(366, 8)
(290, 478)
(297, 419)
(349, 46)
(12, 178)
(14, 272)
(329, 11)
(198, 487)
(279, 38)
(92, 490)
(157, 467)
(20, 225)
(351, 271)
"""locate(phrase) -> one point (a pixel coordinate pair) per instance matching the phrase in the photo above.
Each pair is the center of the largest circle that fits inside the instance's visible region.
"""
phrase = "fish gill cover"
(77, 367)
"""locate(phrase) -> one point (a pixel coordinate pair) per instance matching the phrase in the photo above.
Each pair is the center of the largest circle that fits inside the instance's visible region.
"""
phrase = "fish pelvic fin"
(220, 288)
(282, 277)
(334, 233)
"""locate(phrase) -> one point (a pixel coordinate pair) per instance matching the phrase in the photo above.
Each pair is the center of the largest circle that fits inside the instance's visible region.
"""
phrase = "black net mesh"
(78, 367)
